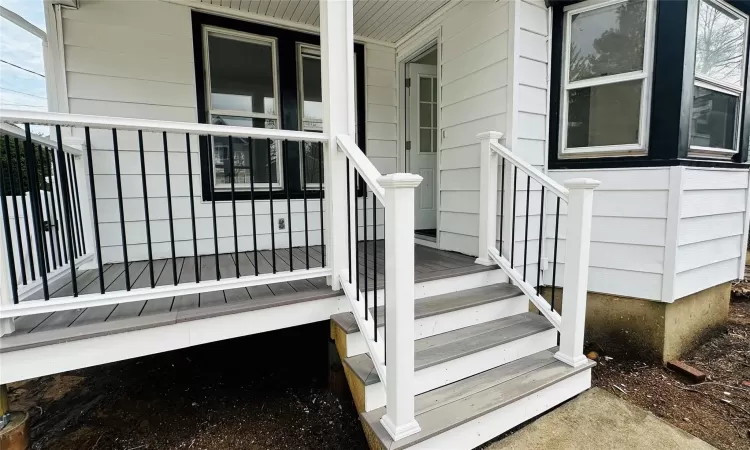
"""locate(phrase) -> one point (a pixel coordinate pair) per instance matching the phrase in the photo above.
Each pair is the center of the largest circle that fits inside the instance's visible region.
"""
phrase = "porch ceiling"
(382, 20)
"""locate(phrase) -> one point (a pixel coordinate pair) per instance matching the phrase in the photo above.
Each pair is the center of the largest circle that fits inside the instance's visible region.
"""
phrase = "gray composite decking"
(430, 264)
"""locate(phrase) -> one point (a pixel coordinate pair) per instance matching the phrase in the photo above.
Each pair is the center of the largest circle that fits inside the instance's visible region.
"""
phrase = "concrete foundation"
(663, 331)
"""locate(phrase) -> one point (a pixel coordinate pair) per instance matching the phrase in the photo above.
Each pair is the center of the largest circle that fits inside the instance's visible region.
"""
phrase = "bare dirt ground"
(718, 410)
(266, 391)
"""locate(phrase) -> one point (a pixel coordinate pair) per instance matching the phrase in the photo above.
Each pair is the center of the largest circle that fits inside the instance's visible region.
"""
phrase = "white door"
(422, 143)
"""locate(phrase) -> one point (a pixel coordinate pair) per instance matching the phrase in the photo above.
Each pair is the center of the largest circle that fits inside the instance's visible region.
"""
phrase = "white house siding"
(629, 231)
(712, 228)
(473, 72)
(135, 59)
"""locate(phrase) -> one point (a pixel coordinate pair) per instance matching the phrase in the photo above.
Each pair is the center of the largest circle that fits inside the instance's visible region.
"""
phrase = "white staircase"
(463, 364)
(483, 364)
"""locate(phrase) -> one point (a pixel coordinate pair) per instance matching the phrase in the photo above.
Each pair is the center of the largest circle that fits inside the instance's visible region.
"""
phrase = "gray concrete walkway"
(598, 420)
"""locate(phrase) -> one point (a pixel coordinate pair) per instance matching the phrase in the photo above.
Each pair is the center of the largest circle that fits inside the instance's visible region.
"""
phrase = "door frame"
(415, 48)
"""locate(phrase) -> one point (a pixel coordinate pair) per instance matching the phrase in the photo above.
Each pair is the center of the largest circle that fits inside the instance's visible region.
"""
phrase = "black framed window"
(261, 76)
(648, 83)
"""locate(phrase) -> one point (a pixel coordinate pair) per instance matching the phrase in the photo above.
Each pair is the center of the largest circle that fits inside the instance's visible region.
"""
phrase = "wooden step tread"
(439, 304)
(446, 347)
(442, 409)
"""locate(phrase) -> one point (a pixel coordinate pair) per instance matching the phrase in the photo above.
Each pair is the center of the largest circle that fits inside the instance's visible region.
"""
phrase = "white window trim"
(210, 112)
(724, 88)
(311, 51)
(646, 74)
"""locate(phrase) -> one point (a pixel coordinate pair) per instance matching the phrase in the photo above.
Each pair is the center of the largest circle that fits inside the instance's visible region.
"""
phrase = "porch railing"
(391, 346)
(109, 191)
(577, 195)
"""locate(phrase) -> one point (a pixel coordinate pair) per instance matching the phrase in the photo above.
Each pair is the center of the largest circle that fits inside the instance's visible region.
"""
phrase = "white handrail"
(363, 165)
(538, 301)
(20, 133)
(531, 171)
(157, 126)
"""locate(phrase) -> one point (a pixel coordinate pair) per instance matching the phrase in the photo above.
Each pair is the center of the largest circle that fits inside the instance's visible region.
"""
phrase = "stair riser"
(442, 374)
(454, 320)
(459, 283)
(482, 429)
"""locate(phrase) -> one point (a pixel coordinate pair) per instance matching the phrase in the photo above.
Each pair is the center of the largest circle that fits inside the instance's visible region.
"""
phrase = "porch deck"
(43, 329)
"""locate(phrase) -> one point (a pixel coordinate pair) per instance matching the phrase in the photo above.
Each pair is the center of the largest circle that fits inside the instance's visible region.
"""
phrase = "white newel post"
(487, 196)
(575, 280)
(399, 271)
(337, 62)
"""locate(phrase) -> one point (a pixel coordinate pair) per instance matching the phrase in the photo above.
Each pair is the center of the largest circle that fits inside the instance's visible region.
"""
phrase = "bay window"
(721, 40)
(608, 48)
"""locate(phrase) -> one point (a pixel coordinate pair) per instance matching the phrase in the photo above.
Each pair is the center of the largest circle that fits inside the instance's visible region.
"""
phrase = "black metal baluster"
(502, 203)
(32, 270)
(541, 235)
(357, 184)
(285, 149)
(270, 205)
(364, 228)
(234, 209)
(68, 215)
(304, 205)
(349, 218)
(39, 213)
(252, 205)
(41, 248)
(375, 263)
(82, 242)
(513, 219)
(147, 216)
(120, 206)
(48, 159)
(320, 187)
(6, 226)
(76, 207)
(526, 232)
(95, 211)
(213, 214)
(192, 207)
(44, 164)
(58, 190)
(15, 191)
(554, 254)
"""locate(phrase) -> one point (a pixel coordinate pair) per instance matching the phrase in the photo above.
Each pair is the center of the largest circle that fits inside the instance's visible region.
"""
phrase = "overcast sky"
(19, 47)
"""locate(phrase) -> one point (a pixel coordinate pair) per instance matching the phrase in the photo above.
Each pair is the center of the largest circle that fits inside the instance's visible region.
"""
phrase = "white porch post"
(399, 315)
(487, 197)
(337, 63)
(575, 280)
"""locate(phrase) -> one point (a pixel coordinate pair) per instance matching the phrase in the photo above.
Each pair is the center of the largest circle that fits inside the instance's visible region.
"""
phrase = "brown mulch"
(717, 410)
(267, 391)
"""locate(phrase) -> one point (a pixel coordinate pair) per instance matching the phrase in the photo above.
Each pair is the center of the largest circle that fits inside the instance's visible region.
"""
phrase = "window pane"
(714, 119)
(313, 166)
(242, 153)
(425, 113)
(607, 41)
(312, 105)
(241, 75)
(425, 89)
(719, 46)
(604, 115)
(425, 145)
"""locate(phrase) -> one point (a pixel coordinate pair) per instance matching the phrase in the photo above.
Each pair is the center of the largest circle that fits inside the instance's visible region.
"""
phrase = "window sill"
(602, 152)
(711, 153)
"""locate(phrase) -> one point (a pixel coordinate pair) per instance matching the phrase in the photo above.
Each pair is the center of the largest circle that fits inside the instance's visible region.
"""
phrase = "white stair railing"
(578, 194)
(396, 193)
